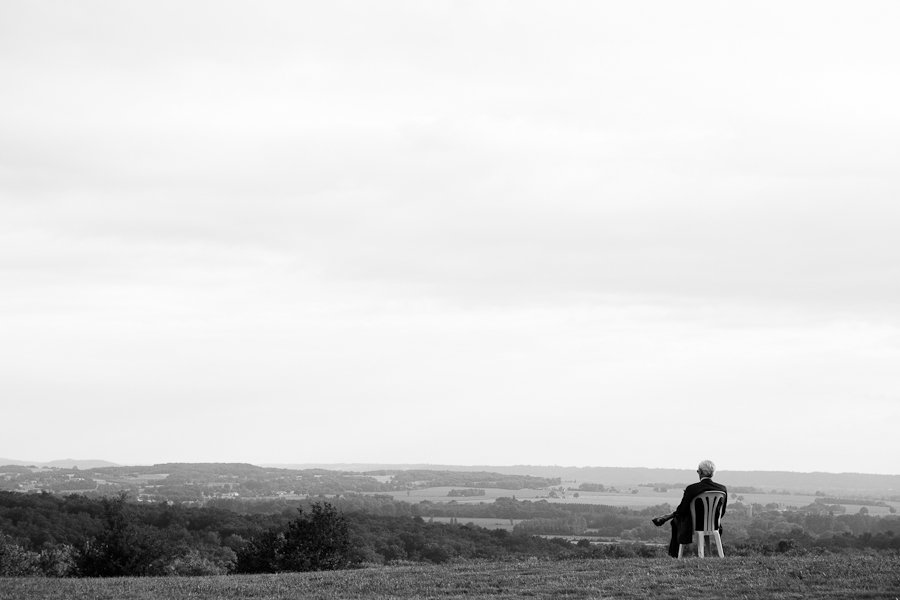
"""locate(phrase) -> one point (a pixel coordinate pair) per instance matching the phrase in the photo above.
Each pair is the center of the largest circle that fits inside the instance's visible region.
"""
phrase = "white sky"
(575, 233)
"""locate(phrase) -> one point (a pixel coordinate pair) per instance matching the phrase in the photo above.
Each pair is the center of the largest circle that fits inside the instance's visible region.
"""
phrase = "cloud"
(548, 159)
(487, 206)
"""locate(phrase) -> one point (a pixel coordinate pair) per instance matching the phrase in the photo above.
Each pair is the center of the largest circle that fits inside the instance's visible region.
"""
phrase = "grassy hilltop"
(830, 576)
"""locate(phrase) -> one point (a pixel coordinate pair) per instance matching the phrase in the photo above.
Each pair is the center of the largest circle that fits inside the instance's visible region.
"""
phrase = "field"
(645, 497)
(830, 577)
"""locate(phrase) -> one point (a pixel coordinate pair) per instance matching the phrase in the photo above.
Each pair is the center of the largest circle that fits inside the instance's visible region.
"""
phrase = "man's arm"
(659, 521)
(684, 508)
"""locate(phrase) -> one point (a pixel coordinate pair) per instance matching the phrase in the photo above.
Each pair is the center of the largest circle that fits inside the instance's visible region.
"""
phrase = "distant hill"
(830, 483)
(625, 476)
(67, 463)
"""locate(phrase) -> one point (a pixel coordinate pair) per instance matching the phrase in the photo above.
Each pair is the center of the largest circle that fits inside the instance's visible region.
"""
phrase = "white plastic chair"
(712, 502)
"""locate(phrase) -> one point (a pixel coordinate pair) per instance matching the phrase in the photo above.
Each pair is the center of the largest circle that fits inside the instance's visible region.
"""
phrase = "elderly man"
(682, 526)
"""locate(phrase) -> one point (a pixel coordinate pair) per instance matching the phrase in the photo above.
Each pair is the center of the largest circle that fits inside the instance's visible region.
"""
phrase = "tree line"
(75, 535)
(112, 536)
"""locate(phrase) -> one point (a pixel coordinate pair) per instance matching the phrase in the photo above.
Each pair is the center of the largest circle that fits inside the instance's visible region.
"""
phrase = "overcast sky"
(573, 233)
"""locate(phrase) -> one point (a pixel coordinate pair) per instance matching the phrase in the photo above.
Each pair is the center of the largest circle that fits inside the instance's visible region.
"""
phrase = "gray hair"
(706, 468)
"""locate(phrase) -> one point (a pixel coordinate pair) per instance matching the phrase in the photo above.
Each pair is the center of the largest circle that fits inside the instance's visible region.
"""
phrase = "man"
(682, 526)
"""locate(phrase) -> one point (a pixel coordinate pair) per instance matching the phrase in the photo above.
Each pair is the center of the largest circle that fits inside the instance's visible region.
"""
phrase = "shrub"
(123, 547)
(15, 561)
(314, 541)
(58, 561)
(195, 563)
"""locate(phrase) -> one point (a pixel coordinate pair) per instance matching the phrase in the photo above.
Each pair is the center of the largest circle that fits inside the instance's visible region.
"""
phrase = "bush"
(317, 541)
(58, 561)
(195, 563)
(123, 547)
(15, 561)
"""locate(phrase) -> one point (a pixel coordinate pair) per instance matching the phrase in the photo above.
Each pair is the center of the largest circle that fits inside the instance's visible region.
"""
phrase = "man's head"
(706, 469)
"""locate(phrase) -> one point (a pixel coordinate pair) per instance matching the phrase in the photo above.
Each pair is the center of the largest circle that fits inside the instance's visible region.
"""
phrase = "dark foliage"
(123, 547)
(54, 535)
(387, 539)
(465, 492)
(314, 541)
(565, 526)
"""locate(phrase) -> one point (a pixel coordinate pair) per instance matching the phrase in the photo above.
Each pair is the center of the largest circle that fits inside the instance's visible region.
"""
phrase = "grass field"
(644, 498)
(832, 577)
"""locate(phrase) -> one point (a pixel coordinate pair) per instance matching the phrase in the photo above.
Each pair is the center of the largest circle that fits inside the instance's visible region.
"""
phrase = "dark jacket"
(683, 512)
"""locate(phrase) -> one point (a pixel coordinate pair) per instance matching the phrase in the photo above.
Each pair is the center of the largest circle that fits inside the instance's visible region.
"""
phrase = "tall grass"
(830, 576)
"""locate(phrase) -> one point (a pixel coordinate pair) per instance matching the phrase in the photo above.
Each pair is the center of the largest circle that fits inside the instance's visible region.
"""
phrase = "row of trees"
(50, 535)
(465, 492)
(564, 526)
(74, 535)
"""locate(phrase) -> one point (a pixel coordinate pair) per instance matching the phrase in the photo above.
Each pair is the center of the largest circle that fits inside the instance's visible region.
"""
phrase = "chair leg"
(701, 541)
(680, 550)
(719, 544)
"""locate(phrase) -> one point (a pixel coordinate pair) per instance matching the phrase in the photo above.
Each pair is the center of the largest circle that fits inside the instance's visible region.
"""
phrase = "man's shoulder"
(713, 486)
(705, 485)
(690, 488)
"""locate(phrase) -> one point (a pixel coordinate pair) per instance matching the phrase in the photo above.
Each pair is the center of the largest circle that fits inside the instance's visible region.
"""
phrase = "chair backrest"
(711, 502)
